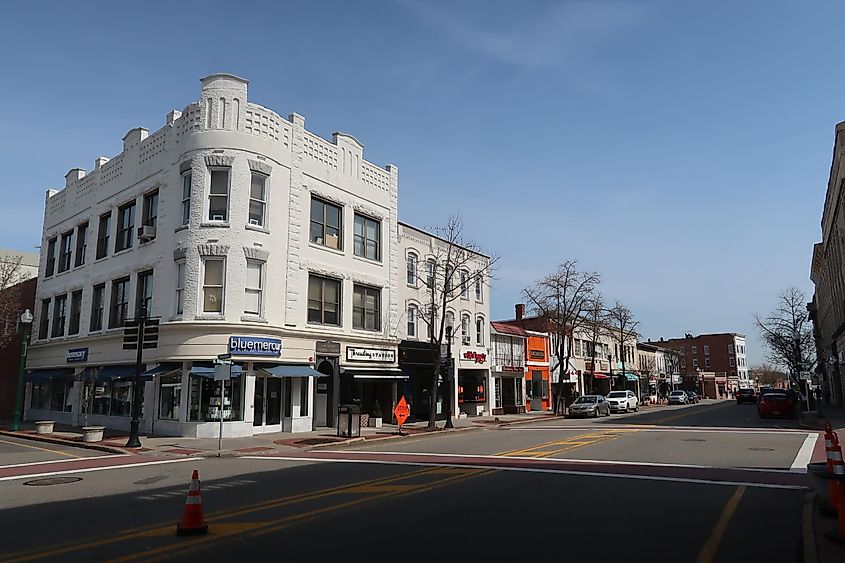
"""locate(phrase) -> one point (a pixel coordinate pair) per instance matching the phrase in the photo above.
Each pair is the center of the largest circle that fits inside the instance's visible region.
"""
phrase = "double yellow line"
(554, 447)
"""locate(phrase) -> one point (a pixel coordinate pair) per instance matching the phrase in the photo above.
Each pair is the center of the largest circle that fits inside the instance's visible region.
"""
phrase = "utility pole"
(447, 377)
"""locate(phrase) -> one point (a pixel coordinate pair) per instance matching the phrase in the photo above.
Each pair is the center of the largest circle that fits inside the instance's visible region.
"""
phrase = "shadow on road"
(722, 414)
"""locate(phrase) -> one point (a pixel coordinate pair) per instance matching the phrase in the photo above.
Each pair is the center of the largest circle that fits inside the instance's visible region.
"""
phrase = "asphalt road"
(16, 451)
(525, 499)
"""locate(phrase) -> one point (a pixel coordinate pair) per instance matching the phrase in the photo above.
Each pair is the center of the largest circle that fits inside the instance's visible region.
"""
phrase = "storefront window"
(102, 397)
(287, 396)
(204, 405)
(114, 398)
(498, 391)
(170, 396)
(518, 391)
(303, 396)
(52, 394)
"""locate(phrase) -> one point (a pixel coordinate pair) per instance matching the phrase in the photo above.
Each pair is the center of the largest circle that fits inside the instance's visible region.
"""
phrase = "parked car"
(590, 405)
(678, 397)
(623, 401)
(693, 396)
(776, 402)
(745, 396)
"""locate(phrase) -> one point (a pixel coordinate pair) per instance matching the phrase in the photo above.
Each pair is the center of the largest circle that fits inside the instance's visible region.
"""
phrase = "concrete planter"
(44, 426)
(92, 433)
(375, 422)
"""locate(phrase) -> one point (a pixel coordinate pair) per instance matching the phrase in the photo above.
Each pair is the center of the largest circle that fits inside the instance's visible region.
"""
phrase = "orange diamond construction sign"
(402, 411)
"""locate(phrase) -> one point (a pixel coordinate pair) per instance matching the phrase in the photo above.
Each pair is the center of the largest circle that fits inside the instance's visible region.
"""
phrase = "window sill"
(368, 261)
(215, 224)
(122, 251)
(210, 317)
(315, 324)
(366, 330)
(253, 319)
(257, 228)
(337, 251)
(180, 228)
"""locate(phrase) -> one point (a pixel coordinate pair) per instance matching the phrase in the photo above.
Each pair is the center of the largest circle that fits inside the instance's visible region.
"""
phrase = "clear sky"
(680, 148)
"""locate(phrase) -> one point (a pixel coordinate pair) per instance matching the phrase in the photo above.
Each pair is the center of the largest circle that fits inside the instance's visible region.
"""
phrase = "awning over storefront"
(289, 370)
(162, 368)
(45, 374)
(632, 377)
(374, 373)
(107, 373)
(599, 375)
(203, 371)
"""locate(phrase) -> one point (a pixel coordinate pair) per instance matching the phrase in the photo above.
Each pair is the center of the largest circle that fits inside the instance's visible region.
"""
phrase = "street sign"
(222, 372)
(222, 361)
(402, 412)
(806, 375)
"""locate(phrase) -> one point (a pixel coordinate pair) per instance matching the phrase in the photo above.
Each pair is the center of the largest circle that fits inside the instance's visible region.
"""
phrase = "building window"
(180, 287)
(59, 315)
(125, 226)
(144, 294)
(479, 290)
(119, 310)
(466, 339)
(97, 305)
(479, 331)
(706, 350)
(367, 238)
(323, 301)
(431, 270)
(695, 349)
(66, 251)
(412, 321)
(218, 196)
(257, 199)
(186, 198)
(366, 308)
(450, 321)
(731, 362)
(149, 213)
(412, 269)
(464, 284)
(75, 312)
(170, 396)
(254, 287)
(52, 394)
(730, 348)
(213, 285)
(81, 243)
(103, 230)
(326, 224)
(695, 362)
(303, 396)
(51, 257)
(204, 401)
(44, 321)
(707, 362)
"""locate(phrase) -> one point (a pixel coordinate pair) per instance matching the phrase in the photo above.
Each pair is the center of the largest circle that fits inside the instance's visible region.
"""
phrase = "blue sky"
(679, 148)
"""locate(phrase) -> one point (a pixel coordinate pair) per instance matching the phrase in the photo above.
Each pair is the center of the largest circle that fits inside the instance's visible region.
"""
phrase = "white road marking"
(212, 487)
(542, 470)
(11, 465)
(804, 454)
(651, 428)
(71, 471)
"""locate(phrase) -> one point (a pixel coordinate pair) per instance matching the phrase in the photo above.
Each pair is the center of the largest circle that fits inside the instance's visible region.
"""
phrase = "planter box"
(375, 422)
(92, 433)
(44, 426)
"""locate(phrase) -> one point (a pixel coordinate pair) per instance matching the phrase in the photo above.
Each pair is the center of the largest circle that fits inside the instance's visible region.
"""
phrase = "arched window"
(412, 269)
(431, 270)
(479, 331)
(465, 335)
(450, 321)
(412, 321)
(464, 284)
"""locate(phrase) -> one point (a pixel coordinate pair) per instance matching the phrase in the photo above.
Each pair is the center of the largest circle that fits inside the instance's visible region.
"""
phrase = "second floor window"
(186, 198)
(465, 335)
(75, 312)
(326, 224)
(254, 287)
(412, 321)
(59, 315)
(51, 257)
(144, 294)
(125, 226)
(218, 196)
(464, 285)
(257, 199)
(149, 216)
(103, 231)
(180, 287)
(119, 310)
(65, 251)
(97, 305)
(213, 285)
(81, 243)
(44, 320)
(366, 308)
(430, 271)
(479, 288)
(479, 331)
(323, 300)
(412, 269)
(367, 238)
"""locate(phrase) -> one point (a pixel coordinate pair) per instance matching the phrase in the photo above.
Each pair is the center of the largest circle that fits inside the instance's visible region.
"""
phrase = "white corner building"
(243, 233)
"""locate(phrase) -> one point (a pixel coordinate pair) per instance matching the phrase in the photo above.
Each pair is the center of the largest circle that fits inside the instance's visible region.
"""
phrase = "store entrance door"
(536, 390)
(267, 404)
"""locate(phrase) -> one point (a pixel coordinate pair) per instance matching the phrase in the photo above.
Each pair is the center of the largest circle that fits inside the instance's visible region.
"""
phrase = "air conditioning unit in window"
(254, 222)
(218, 218)
(146, 232)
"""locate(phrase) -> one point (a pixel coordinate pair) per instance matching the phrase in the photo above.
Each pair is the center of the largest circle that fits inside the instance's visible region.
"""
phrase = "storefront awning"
(107, 373)
(600, 375)
(374, 373)
(45, 374)
(289, 370)
(163, 368)
(632, 377)
(207, 372)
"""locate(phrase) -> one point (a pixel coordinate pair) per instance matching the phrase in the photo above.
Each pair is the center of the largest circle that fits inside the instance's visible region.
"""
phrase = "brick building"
(720, 352)
(10, 354)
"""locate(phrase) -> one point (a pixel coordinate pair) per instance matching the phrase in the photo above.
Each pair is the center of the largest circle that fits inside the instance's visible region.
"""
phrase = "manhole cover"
(693, 440)
(52, 481)
(761, 449)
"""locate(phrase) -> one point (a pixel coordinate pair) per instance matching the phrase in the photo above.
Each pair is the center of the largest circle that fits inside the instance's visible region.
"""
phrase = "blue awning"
(632, 377)
(203, 371)
(45, 374)
(163, 368)
(290, 370)
(107, 373)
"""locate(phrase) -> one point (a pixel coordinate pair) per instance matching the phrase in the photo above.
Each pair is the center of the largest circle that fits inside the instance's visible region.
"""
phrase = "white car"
(678, 397)
(623, 401)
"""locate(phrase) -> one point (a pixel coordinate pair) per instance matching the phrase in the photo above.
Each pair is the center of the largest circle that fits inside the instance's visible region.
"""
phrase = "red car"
(776, 403)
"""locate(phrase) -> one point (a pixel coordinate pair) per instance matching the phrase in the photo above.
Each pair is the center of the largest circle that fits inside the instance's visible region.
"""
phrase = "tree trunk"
(432, 396)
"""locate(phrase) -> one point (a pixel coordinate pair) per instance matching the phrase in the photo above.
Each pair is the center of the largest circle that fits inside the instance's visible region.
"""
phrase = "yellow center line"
(62, 452)
(708, 552)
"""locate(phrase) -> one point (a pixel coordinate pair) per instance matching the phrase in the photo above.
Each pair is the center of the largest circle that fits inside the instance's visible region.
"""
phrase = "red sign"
(477, 357)
(402, 411)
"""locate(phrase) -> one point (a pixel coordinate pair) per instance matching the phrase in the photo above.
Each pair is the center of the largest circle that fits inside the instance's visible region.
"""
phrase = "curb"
(808, 535)
(63, 442)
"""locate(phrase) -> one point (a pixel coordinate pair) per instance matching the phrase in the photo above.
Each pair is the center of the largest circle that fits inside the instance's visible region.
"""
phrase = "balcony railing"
(506, 360)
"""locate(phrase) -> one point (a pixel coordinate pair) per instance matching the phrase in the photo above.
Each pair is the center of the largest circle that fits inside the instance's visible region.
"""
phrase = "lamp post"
(26, 323)
(447, 377)
(796, 337)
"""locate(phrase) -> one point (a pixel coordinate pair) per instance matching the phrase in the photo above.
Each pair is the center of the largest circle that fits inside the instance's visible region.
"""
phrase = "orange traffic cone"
(193, 522)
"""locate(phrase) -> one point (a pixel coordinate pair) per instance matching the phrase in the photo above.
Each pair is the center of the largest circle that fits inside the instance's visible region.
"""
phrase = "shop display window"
(204, 400)
(170, 396)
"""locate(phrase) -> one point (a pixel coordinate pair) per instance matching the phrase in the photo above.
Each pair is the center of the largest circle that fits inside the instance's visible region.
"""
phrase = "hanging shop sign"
(354, 354)
(74, 355)
(536, 354)
(327, 347)
(255, 346)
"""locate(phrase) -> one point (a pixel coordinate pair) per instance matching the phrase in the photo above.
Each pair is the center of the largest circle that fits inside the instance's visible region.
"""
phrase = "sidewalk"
(817, 526)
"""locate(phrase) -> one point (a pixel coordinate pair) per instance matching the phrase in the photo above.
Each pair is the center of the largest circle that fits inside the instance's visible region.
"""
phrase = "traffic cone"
(829, 437)
(839, 474)
(193, 522)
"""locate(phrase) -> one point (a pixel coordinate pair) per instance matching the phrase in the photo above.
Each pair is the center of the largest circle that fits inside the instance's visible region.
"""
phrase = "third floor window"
(125, 226)
(326, 224)
(51, 257)
(367, 238)
(66, 251)
(257, 199)
(81, 243)
(218, 196)
(103, 230)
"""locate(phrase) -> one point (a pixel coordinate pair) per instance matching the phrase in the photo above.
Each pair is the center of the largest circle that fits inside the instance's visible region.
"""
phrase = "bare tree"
(561, 298)
(788, 334)
(596, 327)
(623, 327)
(10, 297)
(767, 374)
(446, 274)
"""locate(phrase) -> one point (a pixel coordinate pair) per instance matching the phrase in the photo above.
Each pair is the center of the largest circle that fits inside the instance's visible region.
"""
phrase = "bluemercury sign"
(255, 346)
(370, 355)
(76, 355)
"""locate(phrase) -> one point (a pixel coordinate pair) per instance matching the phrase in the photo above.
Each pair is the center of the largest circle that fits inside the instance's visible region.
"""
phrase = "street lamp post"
(26, 323)
(447, 377)
(796, 337)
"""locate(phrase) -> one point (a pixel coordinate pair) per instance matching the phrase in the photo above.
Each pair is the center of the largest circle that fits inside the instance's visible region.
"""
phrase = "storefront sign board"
(255, 346)
(354, 354)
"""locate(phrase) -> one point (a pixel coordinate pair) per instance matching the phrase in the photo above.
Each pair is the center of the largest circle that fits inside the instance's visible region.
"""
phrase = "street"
(698, 483)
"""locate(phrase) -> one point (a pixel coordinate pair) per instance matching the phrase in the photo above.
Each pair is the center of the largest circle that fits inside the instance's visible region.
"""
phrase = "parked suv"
(746, 396)
(623, 401)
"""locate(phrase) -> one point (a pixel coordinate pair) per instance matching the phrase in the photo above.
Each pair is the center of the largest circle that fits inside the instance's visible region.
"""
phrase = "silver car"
(678, 397)
(590, 405)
